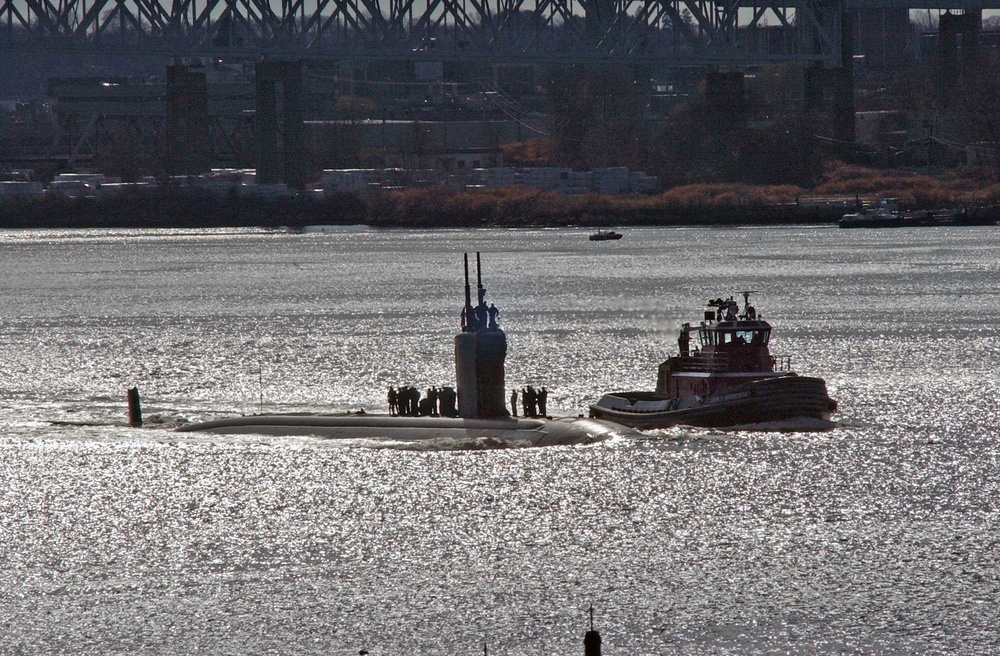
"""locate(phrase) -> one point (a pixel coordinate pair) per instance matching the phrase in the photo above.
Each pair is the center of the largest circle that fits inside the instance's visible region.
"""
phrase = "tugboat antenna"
(746, 296)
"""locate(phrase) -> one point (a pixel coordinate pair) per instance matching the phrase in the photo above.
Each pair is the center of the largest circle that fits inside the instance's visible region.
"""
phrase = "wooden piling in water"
(134, 409)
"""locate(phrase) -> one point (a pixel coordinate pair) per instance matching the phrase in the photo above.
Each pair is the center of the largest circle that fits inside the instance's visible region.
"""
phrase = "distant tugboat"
(732, 380)
(605, 235)
(888, 215)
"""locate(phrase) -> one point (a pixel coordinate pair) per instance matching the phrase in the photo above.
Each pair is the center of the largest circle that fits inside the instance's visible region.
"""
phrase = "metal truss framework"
(80, 137)
(671, 32)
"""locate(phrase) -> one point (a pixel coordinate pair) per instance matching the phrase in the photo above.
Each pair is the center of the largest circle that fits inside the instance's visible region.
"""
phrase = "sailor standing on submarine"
(480, 351)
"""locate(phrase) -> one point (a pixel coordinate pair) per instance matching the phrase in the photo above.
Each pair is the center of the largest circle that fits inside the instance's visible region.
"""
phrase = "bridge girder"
(673, 32)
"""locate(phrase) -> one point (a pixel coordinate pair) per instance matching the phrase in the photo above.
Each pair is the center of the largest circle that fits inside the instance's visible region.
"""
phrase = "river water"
(879, 536)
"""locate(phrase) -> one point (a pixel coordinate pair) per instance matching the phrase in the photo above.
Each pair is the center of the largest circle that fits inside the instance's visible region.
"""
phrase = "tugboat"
(729, 378)
(888, 215)
(884, 215)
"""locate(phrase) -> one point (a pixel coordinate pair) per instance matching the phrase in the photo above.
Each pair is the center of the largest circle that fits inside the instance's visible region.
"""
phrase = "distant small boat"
(605, 235)
(888, 215)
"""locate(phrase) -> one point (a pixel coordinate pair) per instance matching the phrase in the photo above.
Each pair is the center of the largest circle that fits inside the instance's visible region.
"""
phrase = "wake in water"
(795, 425)
(434, 444)
(160, 424)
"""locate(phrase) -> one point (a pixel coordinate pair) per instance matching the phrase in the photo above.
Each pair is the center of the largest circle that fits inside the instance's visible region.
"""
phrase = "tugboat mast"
(748, 310)
(746, 295)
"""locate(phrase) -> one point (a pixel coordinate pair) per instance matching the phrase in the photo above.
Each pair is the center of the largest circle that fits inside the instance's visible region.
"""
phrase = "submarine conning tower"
(480, 350)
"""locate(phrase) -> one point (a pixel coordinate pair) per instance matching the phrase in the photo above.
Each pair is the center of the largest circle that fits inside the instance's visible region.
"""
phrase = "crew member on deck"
(447, 399)
(513, 403)
(731, 309)
(392, 399)
(401, 400)
(432, 395)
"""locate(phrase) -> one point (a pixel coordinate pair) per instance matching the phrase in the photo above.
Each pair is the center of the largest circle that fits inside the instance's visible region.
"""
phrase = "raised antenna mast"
(468, 292)
(479, 280)
(592, 641)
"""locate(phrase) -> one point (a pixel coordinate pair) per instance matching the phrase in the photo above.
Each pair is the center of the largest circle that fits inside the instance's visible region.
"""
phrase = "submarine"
(481, 411)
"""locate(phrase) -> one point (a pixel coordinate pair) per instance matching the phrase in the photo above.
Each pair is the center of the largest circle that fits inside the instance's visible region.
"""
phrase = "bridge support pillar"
(187, 120)
(600, 14)
(725, 93)
(831, 90)
(958, 43)
(279, 123)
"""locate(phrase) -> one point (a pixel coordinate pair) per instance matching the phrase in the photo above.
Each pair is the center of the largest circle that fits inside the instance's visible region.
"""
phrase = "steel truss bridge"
(658, 33)
(679, 32)
(682, 32)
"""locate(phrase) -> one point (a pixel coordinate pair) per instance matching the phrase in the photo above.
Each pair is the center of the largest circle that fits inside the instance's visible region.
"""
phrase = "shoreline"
(421, 208)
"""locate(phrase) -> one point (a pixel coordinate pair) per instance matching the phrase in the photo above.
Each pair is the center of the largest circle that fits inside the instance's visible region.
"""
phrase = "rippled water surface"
(879, 536)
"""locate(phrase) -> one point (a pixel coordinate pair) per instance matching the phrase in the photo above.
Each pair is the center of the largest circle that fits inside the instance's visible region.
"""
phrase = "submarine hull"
(533, 432)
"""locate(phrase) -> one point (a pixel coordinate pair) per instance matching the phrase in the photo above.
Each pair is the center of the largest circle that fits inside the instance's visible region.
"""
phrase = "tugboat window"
(754, 337)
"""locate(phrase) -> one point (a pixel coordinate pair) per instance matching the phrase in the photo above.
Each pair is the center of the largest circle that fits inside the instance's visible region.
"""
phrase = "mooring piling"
(134, 409)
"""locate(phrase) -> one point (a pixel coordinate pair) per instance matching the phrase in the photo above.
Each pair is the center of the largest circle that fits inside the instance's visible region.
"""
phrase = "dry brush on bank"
(916, 190)
(432, 207)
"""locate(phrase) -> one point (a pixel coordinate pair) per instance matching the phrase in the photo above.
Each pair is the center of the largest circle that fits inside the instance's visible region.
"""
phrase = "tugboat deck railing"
(704, 362)
(719, 363)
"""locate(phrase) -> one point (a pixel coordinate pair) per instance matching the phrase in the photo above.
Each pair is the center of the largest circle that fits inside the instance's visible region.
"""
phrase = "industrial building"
(449, 95)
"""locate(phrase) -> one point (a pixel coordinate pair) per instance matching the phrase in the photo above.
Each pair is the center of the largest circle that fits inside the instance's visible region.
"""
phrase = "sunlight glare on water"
(878, 536)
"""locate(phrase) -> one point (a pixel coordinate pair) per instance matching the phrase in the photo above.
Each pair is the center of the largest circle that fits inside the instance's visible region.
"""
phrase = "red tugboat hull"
(767, 400)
